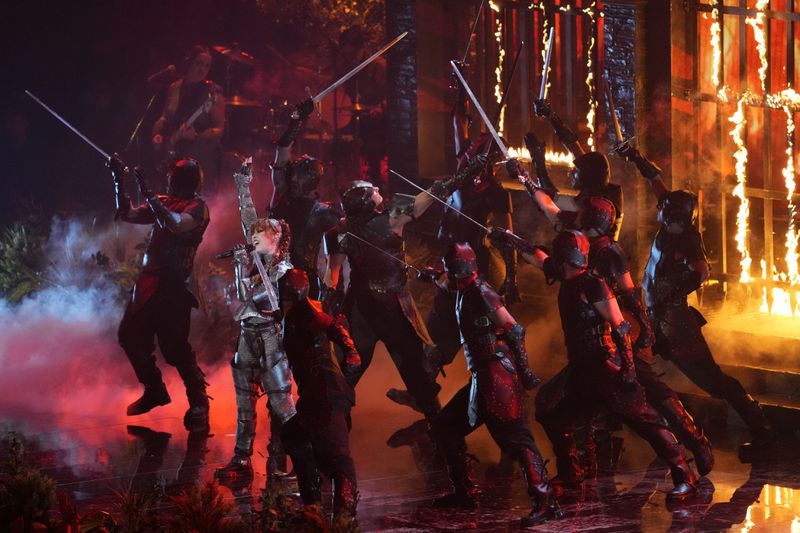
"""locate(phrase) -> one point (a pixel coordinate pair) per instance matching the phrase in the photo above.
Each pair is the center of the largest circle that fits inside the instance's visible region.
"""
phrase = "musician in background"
(173, 136)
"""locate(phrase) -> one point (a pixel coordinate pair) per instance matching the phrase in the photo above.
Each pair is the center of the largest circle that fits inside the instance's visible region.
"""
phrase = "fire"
(498, 72)
(561, 159)
(788, 176)
(741, 178)
(590, 11)
(716, 43)
(757, 23)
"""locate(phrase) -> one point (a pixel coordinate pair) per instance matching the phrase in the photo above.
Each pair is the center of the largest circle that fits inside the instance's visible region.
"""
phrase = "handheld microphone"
(247, 248)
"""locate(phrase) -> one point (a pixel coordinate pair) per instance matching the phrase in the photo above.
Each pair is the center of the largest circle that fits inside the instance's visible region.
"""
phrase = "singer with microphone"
(193, 120)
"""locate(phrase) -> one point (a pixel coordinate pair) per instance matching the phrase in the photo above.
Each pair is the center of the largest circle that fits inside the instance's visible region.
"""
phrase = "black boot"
(682, 423)
(544, 505)
(345, 496)
(753, 415)
(153, 396)
(403, 397)
(684, 481)
(459, 467)
(305, 467)
(196, 417)
(239, 466)
(570, 472)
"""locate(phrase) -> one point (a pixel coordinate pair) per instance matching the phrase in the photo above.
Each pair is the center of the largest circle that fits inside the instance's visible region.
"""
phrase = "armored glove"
(516, 342)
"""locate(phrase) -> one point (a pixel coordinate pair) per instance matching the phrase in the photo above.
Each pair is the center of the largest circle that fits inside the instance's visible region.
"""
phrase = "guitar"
(170, 143)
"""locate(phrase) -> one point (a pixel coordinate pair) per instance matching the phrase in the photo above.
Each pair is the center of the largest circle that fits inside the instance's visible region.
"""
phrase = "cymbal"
(239, 101)
(235, 54)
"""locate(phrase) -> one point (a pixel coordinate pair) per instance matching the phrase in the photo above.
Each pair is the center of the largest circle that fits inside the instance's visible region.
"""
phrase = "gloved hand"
(509, 291)
(542, 108)
(627, 375)
(117, 166)
(529, 380)
(352, 363)
(626, 151)
(240, 254)
(141, 182)
(430, 274)
(515, 169)
(332, 301)
(304, 109)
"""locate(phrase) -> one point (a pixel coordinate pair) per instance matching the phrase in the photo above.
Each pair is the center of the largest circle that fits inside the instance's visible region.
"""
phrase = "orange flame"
(743, 214)
(561, 159)
(590, 11)
(716, 43)
(498, 71)
(757, 23)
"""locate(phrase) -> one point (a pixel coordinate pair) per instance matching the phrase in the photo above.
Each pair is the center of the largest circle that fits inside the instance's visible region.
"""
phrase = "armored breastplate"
(662, 267)
(582, 324)
(454, 227)
(371, 267)
(172, 252)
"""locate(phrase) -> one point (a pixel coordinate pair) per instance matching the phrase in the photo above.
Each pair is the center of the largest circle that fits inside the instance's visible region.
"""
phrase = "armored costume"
(318, 436)
(378, 304)
(607, 259)
(497, 359)
(294, 200)
(161, 302)
(259, 364)
(600, 370)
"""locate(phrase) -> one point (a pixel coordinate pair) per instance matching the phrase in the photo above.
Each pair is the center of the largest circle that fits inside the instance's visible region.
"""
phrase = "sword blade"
(439, 200)
(474, 28)
(613, 110)
(358, 69)
(546, 66)
(70, 126)
(482, 113)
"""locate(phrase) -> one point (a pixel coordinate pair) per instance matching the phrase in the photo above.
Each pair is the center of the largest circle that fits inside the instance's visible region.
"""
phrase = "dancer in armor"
(494, 345)
(590, 175)
(677, 266)
(600, 371)
(378, 304)
(161, 302)
(318, 436)
(295, 199)
(607, 259)
(259, 363)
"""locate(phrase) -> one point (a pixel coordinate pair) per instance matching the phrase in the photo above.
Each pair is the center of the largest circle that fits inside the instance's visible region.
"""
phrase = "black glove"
(141, 182)
(515, 337)
(515, 169)
(627, 151)
(303, 109)
(351, 363)
(332, 301)
(430, 274)
(503, 238)
(621, 337)
(117, 166)
(542, 108)
(445, 187)
(509, 291)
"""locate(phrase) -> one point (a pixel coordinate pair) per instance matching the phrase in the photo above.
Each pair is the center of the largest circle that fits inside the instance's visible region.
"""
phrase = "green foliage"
(21, 259)
(24, 493)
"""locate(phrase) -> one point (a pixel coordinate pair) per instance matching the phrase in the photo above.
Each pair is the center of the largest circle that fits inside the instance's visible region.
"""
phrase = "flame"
(561, 159)
(741, 178)
(590, 11)
(498, 72)
(716, 43)
(788, 176)
(757, 24)
(545, 42)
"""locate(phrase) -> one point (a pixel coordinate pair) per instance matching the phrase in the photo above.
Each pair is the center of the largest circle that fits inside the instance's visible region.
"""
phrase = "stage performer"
(173, 134)
(318, 436)
(259, 364)
(162, 300)
(378, 304)
(295, 199)
(608, 260)
(600, 372)
(590, 175)
(494, 345)
(678, 266)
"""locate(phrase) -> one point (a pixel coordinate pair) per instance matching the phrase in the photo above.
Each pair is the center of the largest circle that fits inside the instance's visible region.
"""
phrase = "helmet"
(357, 199)
(303, 175)
(460, 261)
(591, 171)
(598, 213)
(294, 285)
(185, 178)
(678, 207)
(571, 247)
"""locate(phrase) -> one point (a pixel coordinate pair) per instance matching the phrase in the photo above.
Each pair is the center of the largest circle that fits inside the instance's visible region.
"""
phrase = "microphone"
(247, 248)
(162, 75)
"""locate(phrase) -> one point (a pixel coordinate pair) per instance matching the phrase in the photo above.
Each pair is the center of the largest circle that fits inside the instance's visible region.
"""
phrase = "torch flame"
(741, 178)
(716, 43)
(590, 11)
(561, 159)
(498, 72)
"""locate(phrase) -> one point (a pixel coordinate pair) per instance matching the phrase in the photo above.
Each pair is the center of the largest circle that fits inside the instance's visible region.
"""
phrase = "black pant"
(443, 325)
(377, 317)
(578, 392)
(330, 442)
(165, 317)
(679, 339)
(451, 425)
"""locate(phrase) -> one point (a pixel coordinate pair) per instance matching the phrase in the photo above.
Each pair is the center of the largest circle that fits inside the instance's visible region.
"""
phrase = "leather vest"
(474, 306)
(371, 268)
(584, 328)
(170, 253)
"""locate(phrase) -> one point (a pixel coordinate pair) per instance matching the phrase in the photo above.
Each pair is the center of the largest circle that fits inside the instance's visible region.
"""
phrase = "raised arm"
(283, 149)
(567, 137)
(247, 210)
(649, 170)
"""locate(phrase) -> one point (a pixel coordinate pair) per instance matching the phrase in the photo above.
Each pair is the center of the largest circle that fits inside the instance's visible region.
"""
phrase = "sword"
(546, 66)
(357, 69)
(472, 33)
(617, 129)
(481, 112)
(384, 252)
(70, 126)
(439, 200)
(268, 288)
